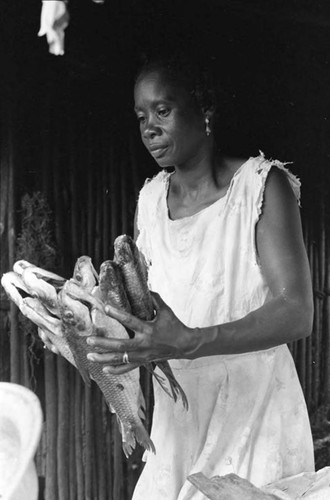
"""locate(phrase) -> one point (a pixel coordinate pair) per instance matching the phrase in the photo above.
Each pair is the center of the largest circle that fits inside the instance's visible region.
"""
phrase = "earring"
(207, 126)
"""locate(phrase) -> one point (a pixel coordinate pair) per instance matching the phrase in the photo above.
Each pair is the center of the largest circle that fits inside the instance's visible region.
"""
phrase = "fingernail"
(90, 341)
(91, 357)
(106, 370)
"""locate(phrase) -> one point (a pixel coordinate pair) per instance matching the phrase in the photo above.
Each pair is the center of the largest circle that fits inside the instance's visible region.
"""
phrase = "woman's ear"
(208, 112)
(208, 115)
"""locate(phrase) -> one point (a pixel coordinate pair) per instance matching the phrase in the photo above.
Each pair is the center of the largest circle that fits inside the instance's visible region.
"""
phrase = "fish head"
(14, 287)
(41, 289)
(125, 249)
(20, 265)
(90, 299)
(84, 272)
(109, 272)
(75, 314)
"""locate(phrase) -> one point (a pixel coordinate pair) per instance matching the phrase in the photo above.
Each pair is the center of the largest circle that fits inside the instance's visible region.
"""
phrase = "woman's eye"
(163, 112)
(141, 119)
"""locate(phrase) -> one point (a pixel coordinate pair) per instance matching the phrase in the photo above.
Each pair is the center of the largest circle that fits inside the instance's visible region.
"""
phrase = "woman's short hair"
(187, 72)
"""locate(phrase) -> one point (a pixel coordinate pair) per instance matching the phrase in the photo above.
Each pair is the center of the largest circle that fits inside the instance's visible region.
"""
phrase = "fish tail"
(132, 434)
(176, 388)
(128, 438)
(143, 438)
(127, 448)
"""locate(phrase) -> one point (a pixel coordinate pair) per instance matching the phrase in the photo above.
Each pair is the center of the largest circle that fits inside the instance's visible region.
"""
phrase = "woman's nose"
(151, 130)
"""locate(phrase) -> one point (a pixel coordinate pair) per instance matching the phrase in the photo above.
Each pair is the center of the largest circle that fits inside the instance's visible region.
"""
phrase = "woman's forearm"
(280, 321)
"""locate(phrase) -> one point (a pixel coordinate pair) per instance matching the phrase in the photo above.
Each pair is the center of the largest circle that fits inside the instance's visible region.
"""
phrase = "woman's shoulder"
(252, 164)
(254, 172)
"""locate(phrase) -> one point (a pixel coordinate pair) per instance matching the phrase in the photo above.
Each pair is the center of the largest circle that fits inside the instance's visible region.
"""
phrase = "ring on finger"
(125, 358)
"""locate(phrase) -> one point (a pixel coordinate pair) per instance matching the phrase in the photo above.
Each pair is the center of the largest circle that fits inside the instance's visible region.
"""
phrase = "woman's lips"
(158, 152)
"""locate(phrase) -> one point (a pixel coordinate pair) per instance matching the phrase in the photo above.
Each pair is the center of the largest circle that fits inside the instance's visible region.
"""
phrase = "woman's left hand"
(164, 337)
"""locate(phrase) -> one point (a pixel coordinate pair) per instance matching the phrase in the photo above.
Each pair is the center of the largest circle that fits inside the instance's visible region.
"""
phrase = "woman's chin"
(163, 163)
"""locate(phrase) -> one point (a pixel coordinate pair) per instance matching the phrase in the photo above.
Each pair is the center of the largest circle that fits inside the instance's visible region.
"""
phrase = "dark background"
(271, 57)
(68, 131)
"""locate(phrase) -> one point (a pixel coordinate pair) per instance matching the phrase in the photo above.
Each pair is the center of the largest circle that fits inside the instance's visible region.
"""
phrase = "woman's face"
(172, 129)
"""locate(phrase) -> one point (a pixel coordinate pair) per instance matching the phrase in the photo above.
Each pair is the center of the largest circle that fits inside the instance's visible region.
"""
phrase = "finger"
(112, 359)
(125, 318)
(113, 345)
(120, 369)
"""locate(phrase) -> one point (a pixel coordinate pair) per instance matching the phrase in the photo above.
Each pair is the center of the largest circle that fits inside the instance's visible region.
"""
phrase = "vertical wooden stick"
(100, 448)
(15, 344)
(118, 486)
(63, 429)
(106, 165)
(72, 448)
(109, 453)
(78, 437)
(88, 444)
(51, 492)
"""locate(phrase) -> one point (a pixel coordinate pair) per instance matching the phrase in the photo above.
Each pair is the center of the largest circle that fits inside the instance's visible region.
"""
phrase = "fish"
(133, 269)
(127, 256)
(41, 289)
(54, 279)
(79, 314)
(111, 286)
(14, 287)
(111, 290)
(85, 273)
(69, 311)
(122, 392)
(33, 309)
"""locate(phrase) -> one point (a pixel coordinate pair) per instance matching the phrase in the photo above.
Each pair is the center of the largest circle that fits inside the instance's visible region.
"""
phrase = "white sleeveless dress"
(247, 413)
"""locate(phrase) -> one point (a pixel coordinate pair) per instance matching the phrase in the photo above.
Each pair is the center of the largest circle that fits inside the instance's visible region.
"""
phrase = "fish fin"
(143, 438)
(127, 448)
(176, 388)
(160, 380)
(111, 408)
(141, 414)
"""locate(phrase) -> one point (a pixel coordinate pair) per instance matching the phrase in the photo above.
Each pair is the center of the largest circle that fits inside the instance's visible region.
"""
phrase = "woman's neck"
(197, 172)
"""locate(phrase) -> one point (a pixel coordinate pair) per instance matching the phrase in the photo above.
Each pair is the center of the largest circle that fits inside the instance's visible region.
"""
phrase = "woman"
(223, 241)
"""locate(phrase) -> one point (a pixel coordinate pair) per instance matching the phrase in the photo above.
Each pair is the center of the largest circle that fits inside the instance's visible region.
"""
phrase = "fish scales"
(122, 392)
(112, 290)
(128, 258)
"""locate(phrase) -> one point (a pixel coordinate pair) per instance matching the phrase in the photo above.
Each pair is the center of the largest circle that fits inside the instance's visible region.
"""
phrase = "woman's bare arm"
(289, 314)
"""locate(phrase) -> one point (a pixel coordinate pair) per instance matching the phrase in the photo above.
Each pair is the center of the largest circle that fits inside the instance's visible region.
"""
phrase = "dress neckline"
(219, 201)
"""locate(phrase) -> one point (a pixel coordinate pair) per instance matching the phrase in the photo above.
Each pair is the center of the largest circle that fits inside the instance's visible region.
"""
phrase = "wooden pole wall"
(93, 191)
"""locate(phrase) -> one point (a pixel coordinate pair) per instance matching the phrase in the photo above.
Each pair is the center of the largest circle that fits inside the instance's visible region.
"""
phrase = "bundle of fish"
(69, 311)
